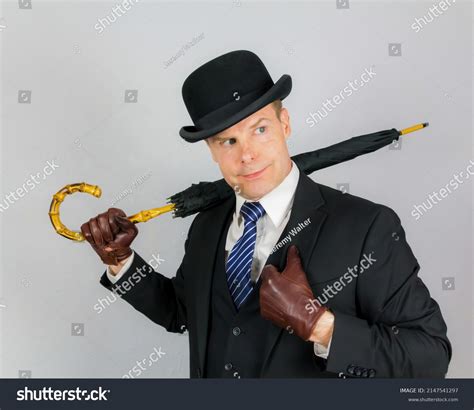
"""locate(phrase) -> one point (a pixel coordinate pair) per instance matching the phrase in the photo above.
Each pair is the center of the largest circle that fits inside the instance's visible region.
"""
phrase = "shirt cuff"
(321, 351)
(115, 278)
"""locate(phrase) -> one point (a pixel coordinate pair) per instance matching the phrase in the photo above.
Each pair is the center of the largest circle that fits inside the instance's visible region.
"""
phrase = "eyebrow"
(259, 121)
(217, 138)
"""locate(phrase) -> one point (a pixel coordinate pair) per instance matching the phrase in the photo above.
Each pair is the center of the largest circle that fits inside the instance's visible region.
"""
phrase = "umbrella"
(205, 195)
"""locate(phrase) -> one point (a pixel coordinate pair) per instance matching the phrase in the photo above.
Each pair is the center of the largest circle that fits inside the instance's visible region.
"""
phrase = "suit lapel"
(307, 204)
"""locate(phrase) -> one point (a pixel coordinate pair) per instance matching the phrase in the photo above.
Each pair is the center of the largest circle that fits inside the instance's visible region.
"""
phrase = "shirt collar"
(278, 201)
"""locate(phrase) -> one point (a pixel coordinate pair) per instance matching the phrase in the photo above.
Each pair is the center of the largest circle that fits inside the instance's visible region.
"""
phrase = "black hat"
(227, 89)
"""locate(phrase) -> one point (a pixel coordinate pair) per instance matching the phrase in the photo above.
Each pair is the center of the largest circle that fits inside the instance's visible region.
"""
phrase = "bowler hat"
(226, 90)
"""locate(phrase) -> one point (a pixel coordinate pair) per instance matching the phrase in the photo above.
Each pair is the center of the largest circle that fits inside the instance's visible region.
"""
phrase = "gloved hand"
(110, 235)
(283, 297)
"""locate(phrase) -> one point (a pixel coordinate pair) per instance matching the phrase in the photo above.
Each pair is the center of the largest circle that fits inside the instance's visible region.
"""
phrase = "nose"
(248, 152)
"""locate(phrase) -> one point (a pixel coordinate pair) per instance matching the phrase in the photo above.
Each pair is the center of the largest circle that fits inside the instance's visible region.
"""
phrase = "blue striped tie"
(239, 262)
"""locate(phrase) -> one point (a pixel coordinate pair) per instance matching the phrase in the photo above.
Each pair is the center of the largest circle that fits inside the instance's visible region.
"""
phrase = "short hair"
(277, 105)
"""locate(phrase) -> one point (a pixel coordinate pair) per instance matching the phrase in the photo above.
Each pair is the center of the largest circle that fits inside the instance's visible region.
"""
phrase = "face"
(252, 154)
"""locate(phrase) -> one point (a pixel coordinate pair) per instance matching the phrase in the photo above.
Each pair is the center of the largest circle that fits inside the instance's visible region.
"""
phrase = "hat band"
(240, 102)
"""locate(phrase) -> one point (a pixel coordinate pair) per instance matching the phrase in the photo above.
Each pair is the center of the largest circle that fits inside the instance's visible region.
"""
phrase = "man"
(288, 278)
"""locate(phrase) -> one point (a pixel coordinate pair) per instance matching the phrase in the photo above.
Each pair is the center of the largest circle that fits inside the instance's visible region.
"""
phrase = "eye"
(261, 129)
(227, 140)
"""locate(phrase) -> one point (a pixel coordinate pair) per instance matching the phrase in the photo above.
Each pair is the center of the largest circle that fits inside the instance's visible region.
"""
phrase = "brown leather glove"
(283, 297)
(110, 234)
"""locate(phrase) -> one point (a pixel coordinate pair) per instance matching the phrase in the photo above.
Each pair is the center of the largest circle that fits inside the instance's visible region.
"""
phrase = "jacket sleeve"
(161, 299)
(398, 330)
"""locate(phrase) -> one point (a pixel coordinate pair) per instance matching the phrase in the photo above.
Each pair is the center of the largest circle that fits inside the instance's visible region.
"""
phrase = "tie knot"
(251, 211)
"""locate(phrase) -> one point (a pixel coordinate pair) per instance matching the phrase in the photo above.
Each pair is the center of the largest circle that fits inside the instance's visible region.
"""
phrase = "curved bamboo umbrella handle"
(94, 190)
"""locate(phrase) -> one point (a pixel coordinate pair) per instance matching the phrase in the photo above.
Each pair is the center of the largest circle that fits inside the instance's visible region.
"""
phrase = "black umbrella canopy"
(205, 195)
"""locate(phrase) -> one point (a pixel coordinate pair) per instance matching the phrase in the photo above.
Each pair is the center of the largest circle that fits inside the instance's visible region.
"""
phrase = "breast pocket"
(335, 288)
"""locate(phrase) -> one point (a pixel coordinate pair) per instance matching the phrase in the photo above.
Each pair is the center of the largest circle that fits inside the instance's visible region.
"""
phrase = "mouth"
(255, 175)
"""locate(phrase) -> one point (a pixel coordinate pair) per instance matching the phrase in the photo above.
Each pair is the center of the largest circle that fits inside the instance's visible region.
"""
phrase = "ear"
(285, 122)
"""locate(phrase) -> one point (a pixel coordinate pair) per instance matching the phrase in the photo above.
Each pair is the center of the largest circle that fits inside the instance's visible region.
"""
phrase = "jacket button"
(395, 330)
(228, 366)
(237, 375)
(371, 373)
(236, 331)
(350, 369)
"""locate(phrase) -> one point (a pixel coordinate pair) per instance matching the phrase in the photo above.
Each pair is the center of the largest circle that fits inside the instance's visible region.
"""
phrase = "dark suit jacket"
(386, 323)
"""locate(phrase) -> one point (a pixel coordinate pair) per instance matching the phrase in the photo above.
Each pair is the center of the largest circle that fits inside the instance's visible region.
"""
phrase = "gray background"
(77, 116)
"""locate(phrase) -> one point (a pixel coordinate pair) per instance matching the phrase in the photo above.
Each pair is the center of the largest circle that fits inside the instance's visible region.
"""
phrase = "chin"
(255, 192)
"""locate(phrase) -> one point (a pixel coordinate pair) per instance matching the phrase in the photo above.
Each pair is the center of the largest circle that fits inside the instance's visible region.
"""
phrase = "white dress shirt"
(277, 204)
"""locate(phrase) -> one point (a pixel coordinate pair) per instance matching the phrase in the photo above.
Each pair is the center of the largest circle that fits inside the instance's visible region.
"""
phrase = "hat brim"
(278, 91)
